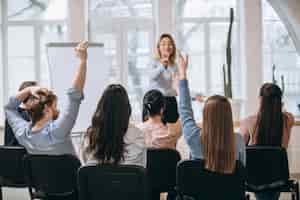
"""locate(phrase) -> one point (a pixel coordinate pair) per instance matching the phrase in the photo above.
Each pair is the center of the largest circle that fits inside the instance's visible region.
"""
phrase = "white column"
(76, 20)
(164, 20)
(251, 52)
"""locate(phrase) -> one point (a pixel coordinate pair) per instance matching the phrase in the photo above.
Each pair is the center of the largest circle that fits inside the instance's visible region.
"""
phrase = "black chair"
(52, 176)
(11, 167)
(112, 182)
(268, 170)
(194, 181)
(161, 171)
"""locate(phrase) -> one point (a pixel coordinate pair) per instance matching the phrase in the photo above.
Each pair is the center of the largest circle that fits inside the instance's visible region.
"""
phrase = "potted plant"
(227, 73)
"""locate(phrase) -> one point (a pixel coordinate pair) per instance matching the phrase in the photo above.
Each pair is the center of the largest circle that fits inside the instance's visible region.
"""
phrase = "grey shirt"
(161, 78)
(54, 138)
(135, 149)
(192, 132)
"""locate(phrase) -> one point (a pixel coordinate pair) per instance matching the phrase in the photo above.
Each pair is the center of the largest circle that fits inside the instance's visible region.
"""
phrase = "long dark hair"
(153, 104)
(270, 120)
(109, 125)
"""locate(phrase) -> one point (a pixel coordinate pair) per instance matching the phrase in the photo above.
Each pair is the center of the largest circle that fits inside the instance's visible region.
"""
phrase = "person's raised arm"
(80, 76)
(191, 131)
(67, 118)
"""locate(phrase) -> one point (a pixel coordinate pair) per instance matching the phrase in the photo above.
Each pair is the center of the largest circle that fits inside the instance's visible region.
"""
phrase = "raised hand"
(81, 50)
(182, 66)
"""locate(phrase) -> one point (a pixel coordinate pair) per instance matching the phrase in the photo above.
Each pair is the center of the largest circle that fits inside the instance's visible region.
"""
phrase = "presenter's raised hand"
(81, 50)
(182, 66)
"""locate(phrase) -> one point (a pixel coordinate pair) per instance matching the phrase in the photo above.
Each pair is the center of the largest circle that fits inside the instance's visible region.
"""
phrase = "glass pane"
(119, 8)
(20, 44)
(204, 8)
(20, 56)
(50, 33)
(196, 73)
(19, 69)
(268, 12)
(37, 10)
(279, 50)
(190, 37)
(110, 49)
(138, 59)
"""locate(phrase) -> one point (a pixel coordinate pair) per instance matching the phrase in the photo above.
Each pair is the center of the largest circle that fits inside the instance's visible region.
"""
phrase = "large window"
(201, 31)
(27, 26)
(279, 51)
(126, 29)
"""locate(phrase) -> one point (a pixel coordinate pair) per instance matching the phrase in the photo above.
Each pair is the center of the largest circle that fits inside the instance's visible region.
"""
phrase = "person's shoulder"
(134, 130)
(248, 121)
(134, 135)
(290, 118)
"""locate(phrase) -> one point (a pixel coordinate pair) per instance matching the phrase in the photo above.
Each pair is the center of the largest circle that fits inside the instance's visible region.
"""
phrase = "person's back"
(110, 138)
(157, 134)
(48, 132)
(270, 127)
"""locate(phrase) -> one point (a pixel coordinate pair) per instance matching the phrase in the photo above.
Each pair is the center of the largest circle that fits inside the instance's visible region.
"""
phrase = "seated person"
(157, 134)
(9, 137)
(269, 127)
(110, 137)
(216, 142)
(48, 132)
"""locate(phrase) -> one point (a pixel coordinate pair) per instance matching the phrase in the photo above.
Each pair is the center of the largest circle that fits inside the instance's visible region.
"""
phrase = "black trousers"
(170, 114)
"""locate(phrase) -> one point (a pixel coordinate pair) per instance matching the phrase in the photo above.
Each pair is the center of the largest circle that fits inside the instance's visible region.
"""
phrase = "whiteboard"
(63, 64)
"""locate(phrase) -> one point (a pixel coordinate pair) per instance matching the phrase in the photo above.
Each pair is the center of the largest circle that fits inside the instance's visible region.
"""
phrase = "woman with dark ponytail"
(157, 134)
(269, 127)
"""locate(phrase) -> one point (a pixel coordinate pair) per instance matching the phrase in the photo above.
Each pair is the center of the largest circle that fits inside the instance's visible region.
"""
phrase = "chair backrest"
(113, 182)
(266, 165)
(11, 167)
(195, 181)
(161, 168)
(52, 174)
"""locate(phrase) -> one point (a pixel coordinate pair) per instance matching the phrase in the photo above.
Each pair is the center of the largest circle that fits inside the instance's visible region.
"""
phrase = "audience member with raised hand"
(9, 136)
(216, 142)
(110, 137)
(48, 132)
(157, 134)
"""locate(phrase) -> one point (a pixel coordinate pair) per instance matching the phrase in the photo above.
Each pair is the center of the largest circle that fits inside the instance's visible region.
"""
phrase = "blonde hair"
(172, 57)
(217, 135)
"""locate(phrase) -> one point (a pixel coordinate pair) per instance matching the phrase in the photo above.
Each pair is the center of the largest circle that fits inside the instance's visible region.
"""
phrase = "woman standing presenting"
(163, 76)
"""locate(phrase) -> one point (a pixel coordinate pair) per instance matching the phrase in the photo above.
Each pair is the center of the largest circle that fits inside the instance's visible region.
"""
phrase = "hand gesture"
(164, 61)
(182, 66)
(81, 50)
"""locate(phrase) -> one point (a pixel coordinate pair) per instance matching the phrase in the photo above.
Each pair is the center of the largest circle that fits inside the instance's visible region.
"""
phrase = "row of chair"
(61, 177)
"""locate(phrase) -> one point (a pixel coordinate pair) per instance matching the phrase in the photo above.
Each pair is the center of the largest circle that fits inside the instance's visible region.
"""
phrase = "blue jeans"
(267, 196)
